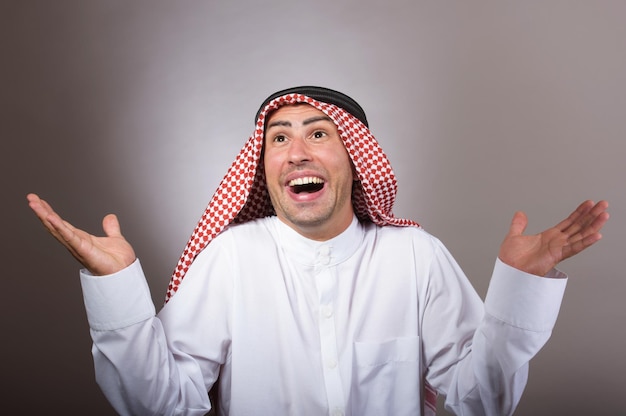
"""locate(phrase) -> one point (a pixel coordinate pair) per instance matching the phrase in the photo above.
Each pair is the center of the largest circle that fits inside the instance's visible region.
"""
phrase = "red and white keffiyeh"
(242, 194)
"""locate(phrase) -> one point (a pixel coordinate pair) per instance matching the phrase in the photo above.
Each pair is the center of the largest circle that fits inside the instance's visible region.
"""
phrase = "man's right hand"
(99, 255)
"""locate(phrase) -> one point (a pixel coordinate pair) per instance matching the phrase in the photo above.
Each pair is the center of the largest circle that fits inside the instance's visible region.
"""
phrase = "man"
(302, 292)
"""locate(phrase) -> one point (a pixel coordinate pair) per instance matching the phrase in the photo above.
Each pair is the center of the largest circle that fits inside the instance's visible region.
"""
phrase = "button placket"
(323, 255)
(327, 290)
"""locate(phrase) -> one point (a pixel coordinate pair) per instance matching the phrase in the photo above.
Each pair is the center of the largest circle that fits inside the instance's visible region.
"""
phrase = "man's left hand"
(538, 254)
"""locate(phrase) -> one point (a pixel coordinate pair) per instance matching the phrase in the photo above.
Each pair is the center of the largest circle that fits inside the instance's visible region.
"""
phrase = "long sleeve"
(134, 366)
(478, 354)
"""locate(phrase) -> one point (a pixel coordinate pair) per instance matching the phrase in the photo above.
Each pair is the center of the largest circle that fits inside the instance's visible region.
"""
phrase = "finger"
(75, 240)
(588, 224)
(572, 220)
(32, 198)
(600, 208)
(46, 214)
(580, 245)
(111, 226)
(590, 234)
(595, 226)
(68, 235)
(518, 224)
(38, 206)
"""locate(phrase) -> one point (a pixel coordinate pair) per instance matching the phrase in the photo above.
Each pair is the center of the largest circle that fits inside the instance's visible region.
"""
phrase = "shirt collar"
(320, 253)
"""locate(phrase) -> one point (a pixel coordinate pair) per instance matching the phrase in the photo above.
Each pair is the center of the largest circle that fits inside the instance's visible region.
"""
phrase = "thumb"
(111, 226)
(518, 224)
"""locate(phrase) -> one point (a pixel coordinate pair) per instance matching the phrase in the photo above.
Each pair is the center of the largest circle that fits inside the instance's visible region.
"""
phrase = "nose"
(299, 151)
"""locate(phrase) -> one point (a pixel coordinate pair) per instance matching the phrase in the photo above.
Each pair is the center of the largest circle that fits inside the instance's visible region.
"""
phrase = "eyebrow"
(311, 120)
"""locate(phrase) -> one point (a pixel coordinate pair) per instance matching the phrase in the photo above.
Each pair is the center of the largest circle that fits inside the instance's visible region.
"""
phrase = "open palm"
(539, 253)
(99, 255)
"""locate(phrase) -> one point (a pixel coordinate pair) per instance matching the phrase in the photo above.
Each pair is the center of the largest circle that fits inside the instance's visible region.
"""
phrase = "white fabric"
(348, 326)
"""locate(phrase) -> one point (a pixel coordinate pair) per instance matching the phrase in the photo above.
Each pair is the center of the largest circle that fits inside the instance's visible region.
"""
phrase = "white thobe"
(348, 326)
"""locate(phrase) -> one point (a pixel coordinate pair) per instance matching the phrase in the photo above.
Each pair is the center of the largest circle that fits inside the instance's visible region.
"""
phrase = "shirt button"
(331, 364)
(323, 259)
(338, 412)
(327, 311)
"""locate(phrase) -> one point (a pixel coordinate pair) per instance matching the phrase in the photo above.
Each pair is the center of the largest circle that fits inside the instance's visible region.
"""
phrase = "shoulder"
(396, 235)
(247, 233)
(410, 242)
(237, 241)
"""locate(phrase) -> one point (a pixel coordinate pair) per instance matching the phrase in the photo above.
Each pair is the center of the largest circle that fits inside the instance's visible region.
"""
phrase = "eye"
(319, 134)
(279, 138)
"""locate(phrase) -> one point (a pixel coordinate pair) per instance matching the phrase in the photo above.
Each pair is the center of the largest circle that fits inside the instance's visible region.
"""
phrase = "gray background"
(139, 107)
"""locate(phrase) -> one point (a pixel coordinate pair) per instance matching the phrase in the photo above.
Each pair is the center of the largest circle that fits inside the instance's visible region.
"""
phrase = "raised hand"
(538, 254)
(99, 255)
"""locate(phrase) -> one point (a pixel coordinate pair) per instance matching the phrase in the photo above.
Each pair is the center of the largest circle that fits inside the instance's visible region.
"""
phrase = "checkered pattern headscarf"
(242, 195)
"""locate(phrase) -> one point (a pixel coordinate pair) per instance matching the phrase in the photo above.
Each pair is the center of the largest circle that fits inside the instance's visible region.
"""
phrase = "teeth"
(305, 181)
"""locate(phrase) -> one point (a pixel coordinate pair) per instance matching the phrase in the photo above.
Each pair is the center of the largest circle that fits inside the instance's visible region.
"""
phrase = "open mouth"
(308, 184)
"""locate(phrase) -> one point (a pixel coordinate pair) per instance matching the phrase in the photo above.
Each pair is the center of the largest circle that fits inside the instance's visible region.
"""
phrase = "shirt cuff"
(524, 300)
(117, 300)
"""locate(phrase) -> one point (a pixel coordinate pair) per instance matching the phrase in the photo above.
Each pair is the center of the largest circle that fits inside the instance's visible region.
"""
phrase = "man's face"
(308, 172)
